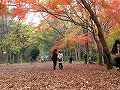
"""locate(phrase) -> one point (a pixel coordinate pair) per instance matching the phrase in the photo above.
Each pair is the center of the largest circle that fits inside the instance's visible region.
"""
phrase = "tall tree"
(100, 34)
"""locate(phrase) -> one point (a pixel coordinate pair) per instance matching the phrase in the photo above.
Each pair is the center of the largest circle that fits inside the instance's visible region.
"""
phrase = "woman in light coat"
(60, 60)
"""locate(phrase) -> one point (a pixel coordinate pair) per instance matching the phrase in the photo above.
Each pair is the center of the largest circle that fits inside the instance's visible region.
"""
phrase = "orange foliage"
(55, 47)
(55, 2)
(31, 1)
(58, 46)
(55, 5)
(111, 12)
(23, 1)
(19, 11)
(81, 38)
(59, 37)
(61, 44)
(35, 7)
(38, 30)
(104, 4)
(110, 8)
(21, 7)
(72, 38)
(2, 9)
(64, 1)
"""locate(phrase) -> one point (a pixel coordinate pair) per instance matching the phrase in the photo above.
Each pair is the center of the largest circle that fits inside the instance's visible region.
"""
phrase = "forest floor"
(75, 76)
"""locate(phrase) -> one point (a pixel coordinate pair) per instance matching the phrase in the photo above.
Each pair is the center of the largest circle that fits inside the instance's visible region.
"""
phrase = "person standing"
(116, 52)
(60, 60)
(54, 58)
(85, 57)
(71, 59)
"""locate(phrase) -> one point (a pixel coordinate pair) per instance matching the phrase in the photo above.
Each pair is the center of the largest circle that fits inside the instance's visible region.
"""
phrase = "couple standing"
(57, 57)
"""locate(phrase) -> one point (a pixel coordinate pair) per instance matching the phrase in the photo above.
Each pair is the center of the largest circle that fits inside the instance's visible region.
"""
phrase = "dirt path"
(75, 76)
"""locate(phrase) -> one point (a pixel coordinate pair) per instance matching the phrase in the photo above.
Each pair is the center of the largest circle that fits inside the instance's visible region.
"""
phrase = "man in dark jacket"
(54, 58)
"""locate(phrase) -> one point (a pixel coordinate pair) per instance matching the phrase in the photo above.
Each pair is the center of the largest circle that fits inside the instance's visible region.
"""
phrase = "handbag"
(59, 59)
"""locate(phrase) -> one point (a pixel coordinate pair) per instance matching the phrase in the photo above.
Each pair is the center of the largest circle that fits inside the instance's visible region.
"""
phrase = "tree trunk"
(87, 51)
(98, 47)
(79, 52)
(1, 54)
(100, 52)
(100, 34)
(75, 52)
(21, 58)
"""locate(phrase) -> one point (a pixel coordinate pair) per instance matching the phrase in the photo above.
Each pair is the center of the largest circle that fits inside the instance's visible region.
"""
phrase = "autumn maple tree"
(91, 15)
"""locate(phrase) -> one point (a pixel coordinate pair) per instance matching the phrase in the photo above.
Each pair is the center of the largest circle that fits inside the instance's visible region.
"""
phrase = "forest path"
(75, 76)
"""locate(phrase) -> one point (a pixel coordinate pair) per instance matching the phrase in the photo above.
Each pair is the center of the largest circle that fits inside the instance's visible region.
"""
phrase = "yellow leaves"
(30, 40)
(2, 9)
(114, 34)
(4, 52)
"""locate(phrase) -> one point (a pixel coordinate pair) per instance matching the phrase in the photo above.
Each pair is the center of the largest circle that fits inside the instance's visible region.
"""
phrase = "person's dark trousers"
(60, 66)
(54, 65)
(117, 60)
(32, 60)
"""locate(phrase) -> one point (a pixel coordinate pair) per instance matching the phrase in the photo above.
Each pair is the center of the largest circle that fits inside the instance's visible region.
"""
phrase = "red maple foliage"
(2, 9)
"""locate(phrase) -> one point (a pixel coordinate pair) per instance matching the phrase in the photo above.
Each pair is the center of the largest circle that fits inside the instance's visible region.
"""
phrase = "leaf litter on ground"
(75, 76)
